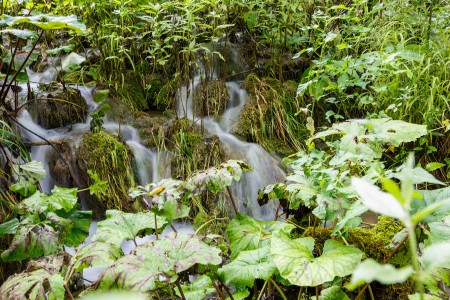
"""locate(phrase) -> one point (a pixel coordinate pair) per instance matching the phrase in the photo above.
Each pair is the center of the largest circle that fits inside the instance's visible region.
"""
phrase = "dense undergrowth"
(353, 93)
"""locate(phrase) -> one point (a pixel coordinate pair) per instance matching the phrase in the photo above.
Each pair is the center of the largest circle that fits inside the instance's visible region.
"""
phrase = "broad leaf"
(33, 169)
(21, 33)
(429, 198)
(370, 270)
(120, 226)
(63, 198)
(59, 50)
(72, 62)
(160, 260)
(436, 255)
(114, 295)
(247, 233)
(47, 22)
(95, 254)
(32, 241)
(198, 289)
(378, 201)
(212, 179)
(296, 263)
(78, 228)
(248, 266)
(9, 227)
(235, 168)
(24, 187)
(38, 284)
(332, 293)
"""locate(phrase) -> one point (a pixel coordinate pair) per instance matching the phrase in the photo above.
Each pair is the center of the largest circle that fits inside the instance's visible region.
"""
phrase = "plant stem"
(219, 291)
(278, 289)
(180, 290)
(156, 228)
(262, 290)
(371, 293)
(414, 258)
(232, 200)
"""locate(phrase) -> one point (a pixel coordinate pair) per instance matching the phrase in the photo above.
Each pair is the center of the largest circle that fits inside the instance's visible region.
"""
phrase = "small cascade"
(266, 169)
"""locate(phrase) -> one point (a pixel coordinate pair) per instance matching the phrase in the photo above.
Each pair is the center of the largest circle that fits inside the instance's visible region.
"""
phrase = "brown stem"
(156, 228)
(278, 210)
(3, 95)
(219, 291)
(69, 293)
(224, 286)
(173, 228)
(232, 200)
(33, 144)
(180, 290)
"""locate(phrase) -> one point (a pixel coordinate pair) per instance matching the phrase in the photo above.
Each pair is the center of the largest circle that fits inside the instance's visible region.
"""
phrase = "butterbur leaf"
(78, 231)
(248, 266)
(21, 33)
(417, 296)
(120, 226)
(159, 260)
(378, 201)
(240, 295)
(96, 254)
(115, 295)
(247, 233)
(436, 255)
(59, 50)
(24, 187)
(235, 168)
(198, 289)
(332, 293)
(296, 263)
(32, 241)
(72, 62)
(47, 22)
(396, 132)
(370, 270)
(38, 284)
(212, 179)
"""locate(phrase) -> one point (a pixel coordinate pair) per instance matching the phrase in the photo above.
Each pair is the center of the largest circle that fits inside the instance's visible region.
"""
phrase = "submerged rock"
(103, 154)
(55, 106)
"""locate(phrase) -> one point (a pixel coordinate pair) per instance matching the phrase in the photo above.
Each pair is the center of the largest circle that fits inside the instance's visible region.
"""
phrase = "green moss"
(151, 129)
(103, 154)
(153, 85)
(211, 98)
(78, 77)
(166, 95)
(133, 93)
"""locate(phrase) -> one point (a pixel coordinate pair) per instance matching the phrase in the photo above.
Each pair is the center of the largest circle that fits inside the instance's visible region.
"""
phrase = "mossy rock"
(151, 129)
(211, 98)
(78, 77)
(133, 94)
(166, 96)
(68, 106)
(104, 155)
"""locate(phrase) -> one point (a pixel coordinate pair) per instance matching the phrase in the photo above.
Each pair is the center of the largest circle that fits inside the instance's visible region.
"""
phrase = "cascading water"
(266, 169)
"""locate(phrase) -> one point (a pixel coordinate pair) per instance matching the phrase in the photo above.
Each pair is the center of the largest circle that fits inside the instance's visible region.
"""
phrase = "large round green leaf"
(296, 263)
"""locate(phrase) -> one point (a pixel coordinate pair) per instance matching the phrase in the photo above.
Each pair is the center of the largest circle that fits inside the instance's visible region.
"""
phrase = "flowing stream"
(152, 165)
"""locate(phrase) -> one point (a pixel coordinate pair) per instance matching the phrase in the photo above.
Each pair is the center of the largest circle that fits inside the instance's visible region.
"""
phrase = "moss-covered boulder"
(78, 77)
(268, 117)
(133, 94)
(110, 159)
(165, 99)
(211, 98)
(55, 106)
(151, 129)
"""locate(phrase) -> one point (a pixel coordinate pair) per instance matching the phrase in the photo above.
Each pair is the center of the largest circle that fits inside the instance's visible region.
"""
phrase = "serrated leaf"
(296, 263)
(248, 266)
(33, 169)
(32, 241)
(24, 187)
(378, 201)
(429, 198)
(198, 289)
(370, 270)
(9, 227)
(38, 284)
(120, 226)
(72, 62)
(63, 198)
(247, 233)
(96, 254)
(159, 260)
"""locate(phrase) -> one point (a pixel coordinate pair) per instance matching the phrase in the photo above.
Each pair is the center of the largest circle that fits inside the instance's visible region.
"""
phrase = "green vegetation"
(354, 95)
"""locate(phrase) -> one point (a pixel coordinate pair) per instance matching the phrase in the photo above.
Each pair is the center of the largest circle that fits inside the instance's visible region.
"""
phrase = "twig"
(180, 290)
(219, 291)
(232, 200)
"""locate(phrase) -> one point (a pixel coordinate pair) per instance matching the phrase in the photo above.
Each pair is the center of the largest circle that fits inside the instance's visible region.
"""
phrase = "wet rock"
(55, 106)
(151, 129)
(211, 98)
